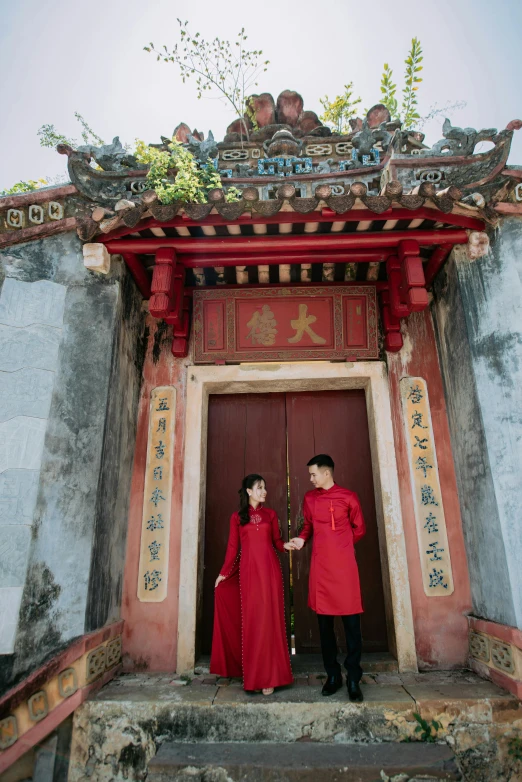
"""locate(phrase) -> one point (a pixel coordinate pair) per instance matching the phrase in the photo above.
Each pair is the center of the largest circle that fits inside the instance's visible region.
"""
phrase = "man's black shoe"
(354, 691)
(332, 684)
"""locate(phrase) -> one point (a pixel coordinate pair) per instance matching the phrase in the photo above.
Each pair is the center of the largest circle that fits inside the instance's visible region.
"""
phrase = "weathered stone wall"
(70, 375)
(478, 316)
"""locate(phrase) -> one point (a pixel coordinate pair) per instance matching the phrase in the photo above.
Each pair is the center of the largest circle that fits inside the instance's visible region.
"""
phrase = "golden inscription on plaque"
(155, 530)
(429, 511)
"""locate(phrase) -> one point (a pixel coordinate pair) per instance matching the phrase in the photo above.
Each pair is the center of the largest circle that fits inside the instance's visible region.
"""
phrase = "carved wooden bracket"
(406, 292)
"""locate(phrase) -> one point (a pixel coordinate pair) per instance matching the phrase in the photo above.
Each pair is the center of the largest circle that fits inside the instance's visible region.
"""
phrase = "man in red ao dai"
(333, 516)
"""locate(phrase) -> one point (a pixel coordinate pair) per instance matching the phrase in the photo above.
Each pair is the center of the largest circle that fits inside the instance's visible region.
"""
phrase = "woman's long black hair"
(244, 500)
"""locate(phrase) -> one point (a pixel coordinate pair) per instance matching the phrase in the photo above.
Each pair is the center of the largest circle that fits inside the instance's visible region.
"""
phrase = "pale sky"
(60, 57)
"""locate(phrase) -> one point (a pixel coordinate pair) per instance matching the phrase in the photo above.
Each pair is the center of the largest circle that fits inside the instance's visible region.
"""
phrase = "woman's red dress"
(249, 637)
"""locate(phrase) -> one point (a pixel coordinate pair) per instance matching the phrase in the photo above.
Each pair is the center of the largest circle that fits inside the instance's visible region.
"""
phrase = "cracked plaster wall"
(478, 317)
(70, 371)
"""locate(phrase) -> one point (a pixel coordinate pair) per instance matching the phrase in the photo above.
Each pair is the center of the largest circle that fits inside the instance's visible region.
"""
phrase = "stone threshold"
(304, 664)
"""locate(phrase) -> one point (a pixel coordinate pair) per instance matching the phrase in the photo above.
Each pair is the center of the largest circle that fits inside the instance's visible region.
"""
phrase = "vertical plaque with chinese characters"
(154, 550)
(429, 510)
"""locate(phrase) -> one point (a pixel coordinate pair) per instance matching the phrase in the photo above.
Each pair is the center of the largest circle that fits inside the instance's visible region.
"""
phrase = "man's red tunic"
(335, 519)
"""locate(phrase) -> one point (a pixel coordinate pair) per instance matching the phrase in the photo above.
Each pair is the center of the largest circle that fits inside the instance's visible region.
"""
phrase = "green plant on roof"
(407, 113)
(24, 187)
(50, 137)
(225, 68)
(174, 175)
(338, 113)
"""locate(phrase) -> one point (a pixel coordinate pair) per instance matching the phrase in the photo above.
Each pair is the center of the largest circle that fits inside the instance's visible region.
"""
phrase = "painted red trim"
(37, 197)
(506, 633)
(323, 216)
(193, 260)
(37, 231)
(437, 259)
(42, 729)
(284, 243)
(44, 673)
(139, 273)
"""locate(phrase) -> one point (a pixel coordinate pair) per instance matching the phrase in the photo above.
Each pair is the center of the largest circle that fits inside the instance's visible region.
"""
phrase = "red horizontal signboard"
(285, 324)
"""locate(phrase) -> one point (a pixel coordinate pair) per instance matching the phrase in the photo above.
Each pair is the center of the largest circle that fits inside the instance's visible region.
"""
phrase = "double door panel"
(275, 435)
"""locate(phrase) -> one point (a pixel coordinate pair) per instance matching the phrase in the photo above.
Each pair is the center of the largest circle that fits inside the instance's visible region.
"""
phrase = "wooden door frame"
(300, 376)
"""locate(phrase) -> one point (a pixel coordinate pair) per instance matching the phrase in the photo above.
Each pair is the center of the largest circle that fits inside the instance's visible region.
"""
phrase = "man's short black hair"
(322, 460)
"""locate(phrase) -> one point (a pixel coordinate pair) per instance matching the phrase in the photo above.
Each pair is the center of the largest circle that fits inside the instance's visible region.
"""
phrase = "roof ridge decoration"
(290, 161)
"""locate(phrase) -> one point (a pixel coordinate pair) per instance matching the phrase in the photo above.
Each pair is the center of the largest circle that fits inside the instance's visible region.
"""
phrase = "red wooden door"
(336, 423)
(246, 434)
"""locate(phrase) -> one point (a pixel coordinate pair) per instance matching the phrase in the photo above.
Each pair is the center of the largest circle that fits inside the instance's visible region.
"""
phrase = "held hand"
(288, 546)
(219, 579)
(297, 543)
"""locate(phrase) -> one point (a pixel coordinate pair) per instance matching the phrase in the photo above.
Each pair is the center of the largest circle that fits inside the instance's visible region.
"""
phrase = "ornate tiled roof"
(289, 162)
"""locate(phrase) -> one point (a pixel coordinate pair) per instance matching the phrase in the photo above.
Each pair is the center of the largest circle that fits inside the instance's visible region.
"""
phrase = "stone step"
(372, 662)
(302, 762)
(123, 725)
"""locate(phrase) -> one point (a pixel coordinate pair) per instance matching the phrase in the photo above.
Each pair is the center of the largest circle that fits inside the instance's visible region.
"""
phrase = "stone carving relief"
(15, 218)
(432, 175)
(38, 706)
(502, 657)
(96, 663)
(67, 682)
(344, 148)
(318, 149)
(8, 732)
(234, 154)
(203, 150)
(36, 214)
(110, 157)
(113, 652)
(55, 210)
(458, 141)
(365, 140)
(479, 646)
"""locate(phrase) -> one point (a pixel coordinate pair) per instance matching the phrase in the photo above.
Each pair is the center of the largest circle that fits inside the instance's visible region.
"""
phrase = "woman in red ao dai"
(249, 638)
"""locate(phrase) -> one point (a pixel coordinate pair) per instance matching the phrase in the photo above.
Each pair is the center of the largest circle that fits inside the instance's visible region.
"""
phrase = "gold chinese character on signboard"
(302, 325)
(262, 327)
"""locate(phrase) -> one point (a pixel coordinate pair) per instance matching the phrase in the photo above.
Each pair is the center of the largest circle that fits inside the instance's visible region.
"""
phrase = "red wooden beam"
(136, 268)
(282, 244)
(324, 216)
(194, 260)
(437, 259)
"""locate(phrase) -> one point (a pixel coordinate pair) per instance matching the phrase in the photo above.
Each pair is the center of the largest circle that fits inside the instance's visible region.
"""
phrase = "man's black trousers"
(352, 632)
